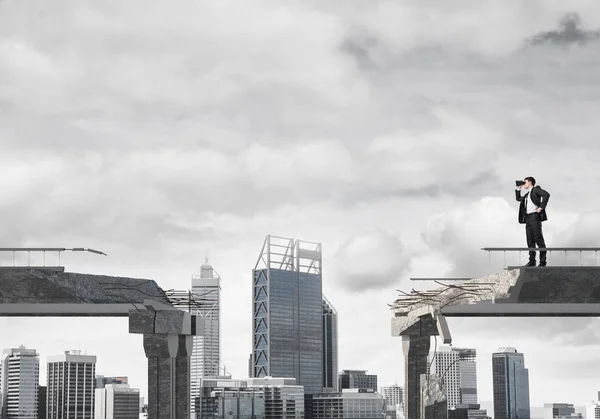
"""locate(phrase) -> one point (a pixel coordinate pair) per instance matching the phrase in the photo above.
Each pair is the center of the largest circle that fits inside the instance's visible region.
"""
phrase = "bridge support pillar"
(168, 343)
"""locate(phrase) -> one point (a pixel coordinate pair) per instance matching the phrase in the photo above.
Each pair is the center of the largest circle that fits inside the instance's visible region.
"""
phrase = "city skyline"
(391, 133)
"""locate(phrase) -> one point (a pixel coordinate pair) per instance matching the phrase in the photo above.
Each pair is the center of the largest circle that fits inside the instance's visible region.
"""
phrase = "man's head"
(529, 182)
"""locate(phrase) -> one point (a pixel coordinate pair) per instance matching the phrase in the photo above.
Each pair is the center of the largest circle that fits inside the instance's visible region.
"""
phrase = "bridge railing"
(43, 250)
(566, 250)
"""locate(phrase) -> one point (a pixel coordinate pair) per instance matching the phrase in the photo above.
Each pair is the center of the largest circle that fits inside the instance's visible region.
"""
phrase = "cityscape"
(328, 209)
(293, 367)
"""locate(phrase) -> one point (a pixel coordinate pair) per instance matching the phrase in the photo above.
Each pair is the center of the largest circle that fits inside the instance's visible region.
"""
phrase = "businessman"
(532, 212)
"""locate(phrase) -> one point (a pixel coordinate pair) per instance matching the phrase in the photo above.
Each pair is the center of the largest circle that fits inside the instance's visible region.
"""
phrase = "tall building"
(458, 368)
(20, 382)
(206, 356)
(288, 312)
(70, 386)
(510, 385)
(357, 379)
(117, 401)
(394, 399)
(330, 347)
(205, 360)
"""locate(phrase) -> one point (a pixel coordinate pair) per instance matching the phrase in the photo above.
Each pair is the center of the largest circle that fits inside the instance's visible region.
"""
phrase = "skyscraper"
(288, 312)
(330, 348)
(70, 388)
(458, 368)
(510, 384)
(206, 354)
(20, 382)
(117, 401)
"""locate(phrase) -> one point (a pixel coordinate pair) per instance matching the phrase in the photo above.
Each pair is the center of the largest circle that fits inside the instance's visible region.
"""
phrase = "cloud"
(371, 260)
(153, 136)
(569, 33)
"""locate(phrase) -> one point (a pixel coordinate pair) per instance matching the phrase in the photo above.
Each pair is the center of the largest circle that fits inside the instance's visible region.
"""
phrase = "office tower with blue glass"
(510, 384)
(288, 312)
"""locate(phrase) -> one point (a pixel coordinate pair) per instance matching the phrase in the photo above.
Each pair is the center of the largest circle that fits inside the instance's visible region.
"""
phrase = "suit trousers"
(533, 230)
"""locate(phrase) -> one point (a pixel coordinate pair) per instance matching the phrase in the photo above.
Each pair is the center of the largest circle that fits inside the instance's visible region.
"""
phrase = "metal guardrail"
(540, 249)
(440, 279)
(47, 249)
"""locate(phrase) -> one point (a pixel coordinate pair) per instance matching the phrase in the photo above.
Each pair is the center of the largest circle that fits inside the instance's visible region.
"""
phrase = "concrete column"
(164, 392)
(416, 349)
(182, 377)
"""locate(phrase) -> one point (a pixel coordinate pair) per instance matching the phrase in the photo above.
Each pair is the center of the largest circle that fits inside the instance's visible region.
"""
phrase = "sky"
(391, 132)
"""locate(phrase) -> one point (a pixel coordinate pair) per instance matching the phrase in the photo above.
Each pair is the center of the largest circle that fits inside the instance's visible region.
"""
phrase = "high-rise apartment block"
(458, 369)
(117, 401)
(510, 384)
(70, 386)
(330, 347)
(19, 384)
(288, 312)
(357, 379)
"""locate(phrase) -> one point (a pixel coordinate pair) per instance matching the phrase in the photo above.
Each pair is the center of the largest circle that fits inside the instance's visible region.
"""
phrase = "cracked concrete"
(37, 286)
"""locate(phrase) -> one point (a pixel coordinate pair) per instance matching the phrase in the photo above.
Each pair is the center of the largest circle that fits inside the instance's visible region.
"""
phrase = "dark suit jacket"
(539, 197)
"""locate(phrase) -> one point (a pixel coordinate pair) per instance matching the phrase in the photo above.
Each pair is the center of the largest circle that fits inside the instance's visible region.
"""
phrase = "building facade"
(330, 347)
(348, 404)
(70, 386)
(41, 402)
(467, 411)
(557, 410)
(205, 360)
(19, 384)
(288, 313)
(510, 384)
(394, 400)
(592, 410)
(252, 398)
(349, 379)
(117, 401)
(102, 381)
(458, 368)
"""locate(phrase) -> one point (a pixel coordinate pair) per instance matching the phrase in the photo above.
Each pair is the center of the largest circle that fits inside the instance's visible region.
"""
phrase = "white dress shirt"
(530, 206)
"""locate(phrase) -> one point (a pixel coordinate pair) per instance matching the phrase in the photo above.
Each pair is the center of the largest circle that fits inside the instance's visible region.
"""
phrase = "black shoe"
(542, 264)
(531, 263)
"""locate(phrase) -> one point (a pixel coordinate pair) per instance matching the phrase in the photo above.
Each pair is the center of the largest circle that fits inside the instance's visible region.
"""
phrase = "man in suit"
(532, 212)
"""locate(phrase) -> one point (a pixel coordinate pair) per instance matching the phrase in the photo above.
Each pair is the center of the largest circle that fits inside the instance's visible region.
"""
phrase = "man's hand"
(539, 210)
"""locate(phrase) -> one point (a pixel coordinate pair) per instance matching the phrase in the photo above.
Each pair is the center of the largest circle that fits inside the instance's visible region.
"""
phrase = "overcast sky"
(390, 131)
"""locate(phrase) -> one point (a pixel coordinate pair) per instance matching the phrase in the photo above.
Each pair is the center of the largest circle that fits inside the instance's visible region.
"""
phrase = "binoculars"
(519, 182)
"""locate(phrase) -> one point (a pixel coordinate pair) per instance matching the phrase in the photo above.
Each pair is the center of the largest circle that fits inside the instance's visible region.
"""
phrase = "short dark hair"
(531, 179)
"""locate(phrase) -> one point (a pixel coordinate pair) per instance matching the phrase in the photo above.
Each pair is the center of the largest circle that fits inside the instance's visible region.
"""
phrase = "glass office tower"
(330, 347)
(288, 312)
(511, 385)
